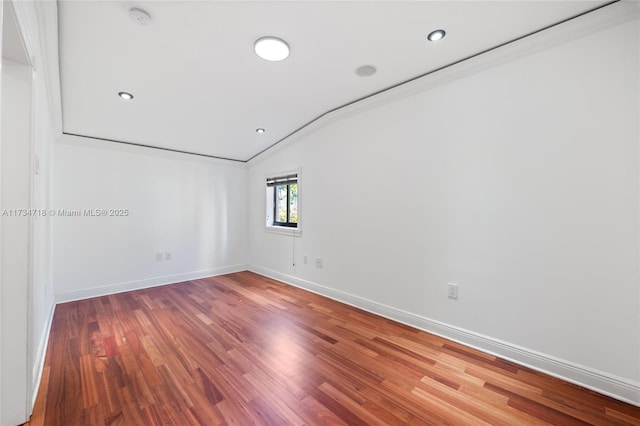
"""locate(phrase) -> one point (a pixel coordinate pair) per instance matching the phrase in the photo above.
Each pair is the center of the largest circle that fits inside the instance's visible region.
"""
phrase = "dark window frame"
(277, 182)
(288, 223)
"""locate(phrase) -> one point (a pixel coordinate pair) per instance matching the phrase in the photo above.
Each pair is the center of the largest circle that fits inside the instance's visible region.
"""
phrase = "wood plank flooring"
(243, 349)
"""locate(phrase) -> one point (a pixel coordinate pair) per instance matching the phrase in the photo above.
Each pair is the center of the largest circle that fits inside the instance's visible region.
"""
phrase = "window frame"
(288, 223)
(271, 223)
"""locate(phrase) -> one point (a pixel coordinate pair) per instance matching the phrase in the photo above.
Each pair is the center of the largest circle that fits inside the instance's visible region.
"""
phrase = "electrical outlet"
(167, 255)
(452, 291)
(158, 257)
(305, 259)
(319, 262)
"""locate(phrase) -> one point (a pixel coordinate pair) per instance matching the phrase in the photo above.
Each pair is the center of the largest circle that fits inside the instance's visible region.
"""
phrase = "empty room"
(319, 212)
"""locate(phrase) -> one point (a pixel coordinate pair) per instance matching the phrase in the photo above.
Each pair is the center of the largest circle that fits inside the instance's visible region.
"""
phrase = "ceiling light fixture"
(260, 130)
(271, 48)
(125, 95)
(436, 35)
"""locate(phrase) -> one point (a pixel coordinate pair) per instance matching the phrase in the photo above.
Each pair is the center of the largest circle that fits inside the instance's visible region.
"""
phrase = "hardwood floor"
(243, 349)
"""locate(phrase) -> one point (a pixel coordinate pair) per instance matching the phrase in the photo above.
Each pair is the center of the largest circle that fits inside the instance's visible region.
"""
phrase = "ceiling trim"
(387, 89)
(154, 147)
(350, 103)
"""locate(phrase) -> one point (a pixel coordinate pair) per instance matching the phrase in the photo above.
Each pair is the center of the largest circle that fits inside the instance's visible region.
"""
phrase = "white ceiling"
(200, 88)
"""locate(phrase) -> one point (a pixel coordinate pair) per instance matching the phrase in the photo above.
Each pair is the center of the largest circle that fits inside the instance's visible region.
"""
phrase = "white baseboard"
(145, 283)
(604, 383)
(38, 360)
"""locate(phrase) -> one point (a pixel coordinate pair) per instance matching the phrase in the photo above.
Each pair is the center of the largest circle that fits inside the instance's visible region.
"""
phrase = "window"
(282, 201)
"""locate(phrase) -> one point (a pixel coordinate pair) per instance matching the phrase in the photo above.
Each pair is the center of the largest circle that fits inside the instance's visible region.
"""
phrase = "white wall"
(29, 122)
(15, 265)
(42, 292)
(519, 182)
(193, 207)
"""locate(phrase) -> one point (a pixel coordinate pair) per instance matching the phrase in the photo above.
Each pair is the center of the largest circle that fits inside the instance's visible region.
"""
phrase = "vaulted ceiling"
(199, 87)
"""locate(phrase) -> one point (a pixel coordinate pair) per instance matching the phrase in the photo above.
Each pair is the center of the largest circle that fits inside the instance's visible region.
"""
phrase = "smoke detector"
(140, 16)
(366, 71)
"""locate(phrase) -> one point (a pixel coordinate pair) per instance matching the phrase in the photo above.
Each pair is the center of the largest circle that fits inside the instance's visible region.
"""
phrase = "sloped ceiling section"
(199, 87)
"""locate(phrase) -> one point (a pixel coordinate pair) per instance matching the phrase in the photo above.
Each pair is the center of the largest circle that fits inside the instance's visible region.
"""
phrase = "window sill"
(283, 230)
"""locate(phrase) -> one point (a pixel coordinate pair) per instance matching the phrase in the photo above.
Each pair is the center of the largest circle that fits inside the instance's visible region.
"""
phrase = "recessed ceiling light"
(260, 130)
(436, 35)
(125, 95)
(271, 48)
(366, 71)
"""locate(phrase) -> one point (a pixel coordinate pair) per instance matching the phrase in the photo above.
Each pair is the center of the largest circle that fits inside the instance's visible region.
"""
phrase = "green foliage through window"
(285, 200)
